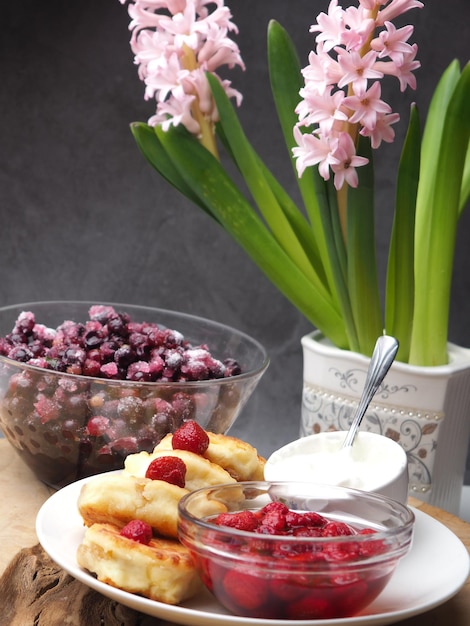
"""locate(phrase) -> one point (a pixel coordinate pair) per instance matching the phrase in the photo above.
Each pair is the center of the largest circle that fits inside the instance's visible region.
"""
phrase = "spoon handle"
(383, 356)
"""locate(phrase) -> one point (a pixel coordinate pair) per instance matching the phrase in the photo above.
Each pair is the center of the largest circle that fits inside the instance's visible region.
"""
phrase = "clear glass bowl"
(296, 577)
(59, 447)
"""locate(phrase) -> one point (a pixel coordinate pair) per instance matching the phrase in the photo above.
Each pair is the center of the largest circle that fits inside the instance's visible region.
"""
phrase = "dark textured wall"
(84, 217)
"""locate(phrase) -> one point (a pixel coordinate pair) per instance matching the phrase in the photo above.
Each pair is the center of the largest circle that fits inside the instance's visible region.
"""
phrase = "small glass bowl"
(58, 446)
(296, 577)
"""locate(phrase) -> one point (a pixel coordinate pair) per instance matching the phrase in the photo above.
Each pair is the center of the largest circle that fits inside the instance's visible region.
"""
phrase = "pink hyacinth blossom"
(392, 42)
(321, 71)
(356, 69)
(382, 131)
(217, 50)
(324, 108)
(396, 8)
(343, 80)
(174, 43)
(366, 106)
(345, 161)
(163, 80)
(314, 150)
(330, 25)
(404, 69)
(358, 27)
(175, 111)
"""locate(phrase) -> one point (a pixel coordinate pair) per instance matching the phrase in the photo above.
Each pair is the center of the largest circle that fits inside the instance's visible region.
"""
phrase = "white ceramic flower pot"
(425, 409)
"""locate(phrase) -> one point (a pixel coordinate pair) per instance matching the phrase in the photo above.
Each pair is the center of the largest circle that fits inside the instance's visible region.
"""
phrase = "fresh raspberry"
(306, 531)
(373, 547)
(302, 520)
(190, 436)
(273, 520)
(311, 606)
(246, 590)
(287, 588)
(245, 520)
(334, 552)
(137, 530)
(168, 468)
(337, 529)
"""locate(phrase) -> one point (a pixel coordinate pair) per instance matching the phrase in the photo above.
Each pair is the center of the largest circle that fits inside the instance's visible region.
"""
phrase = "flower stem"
(342, 199)
(207, 134)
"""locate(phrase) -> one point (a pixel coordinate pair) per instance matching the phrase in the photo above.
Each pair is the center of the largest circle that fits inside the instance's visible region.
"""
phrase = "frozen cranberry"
(25, 323)
(184, 405)
(109, 370)
(97, 425)
(101, 312)
(118, 339)
(47, 409)
(117, 326)
(232, 368)
(125, 446)
(91, 368)
(20, 353)
(139, 371)
(131, 409)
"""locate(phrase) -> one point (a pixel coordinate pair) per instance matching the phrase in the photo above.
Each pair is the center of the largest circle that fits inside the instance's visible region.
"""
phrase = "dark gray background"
(84, 217)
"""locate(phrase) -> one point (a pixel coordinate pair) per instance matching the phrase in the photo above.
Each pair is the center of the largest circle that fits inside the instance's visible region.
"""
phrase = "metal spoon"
(383, 356)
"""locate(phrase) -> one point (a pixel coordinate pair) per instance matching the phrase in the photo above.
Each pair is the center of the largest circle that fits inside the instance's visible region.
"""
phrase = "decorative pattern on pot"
(425, 409)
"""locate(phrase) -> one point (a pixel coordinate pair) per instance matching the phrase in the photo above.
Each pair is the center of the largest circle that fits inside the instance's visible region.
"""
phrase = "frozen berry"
(130, 346)
(109, 424)
(137, 530)
(190, 436)
(168, 468)
(46, 408)
(97, 425)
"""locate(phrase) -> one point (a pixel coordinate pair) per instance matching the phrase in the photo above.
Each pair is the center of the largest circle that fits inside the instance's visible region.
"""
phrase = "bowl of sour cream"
(374, 463)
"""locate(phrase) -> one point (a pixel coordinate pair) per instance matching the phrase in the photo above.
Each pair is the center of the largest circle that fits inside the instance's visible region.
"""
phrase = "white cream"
(374, 463)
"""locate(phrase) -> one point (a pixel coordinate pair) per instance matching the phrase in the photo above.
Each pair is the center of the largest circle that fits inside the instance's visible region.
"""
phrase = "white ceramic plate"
(436, 567)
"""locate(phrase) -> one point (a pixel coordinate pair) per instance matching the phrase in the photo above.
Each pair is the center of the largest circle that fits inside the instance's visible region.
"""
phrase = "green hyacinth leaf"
(286, 81)
(266, 200)
(436, 226)
(216, 190)
(399, 295)
(362, 265)
(465, 190)
(153, 150)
